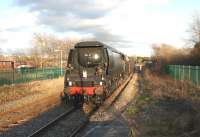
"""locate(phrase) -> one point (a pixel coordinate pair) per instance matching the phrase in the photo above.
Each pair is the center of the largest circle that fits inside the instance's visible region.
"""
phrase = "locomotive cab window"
(123, 57)
(90, 57)
(70, 58)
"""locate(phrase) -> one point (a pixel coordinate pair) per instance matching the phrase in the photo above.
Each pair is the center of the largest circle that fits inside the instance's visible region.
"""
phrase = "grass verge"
(15, 92)
(165, 108)
(27, 101)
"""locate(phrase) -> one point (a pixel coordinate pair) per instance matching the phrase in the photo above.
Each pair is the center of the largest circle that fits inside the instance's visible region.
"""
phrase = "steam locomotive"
(93, 71)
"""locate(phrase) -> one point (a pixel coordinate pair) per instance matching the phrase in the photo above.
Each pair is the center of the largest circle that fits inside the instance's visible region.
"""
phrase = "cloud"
(16, 29)
(3, 40)
(78, 8)
(17, 22)
(124, 24)
(11, 40)
(84, 17)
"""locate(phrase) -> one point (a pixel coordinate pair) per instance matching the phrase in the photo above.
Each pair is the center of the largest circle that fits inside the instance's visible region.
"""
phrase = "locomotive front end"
(86, 73)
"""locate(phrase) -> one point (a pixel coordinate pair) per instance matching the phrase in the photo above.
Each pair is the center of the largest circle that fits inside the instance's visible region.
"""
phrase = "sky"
(131, 26)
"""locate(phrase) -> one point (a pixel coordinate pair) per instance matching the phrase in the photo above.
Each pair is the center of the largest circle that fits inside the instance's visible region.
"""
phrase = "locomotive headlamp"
(84, 73)
(70, 83)
(96, 56)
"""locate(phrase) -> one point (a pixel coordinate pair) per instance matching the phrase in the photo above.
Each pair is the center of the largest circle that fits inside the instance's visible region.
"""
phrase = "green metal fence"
(27, 75)
(181, 72)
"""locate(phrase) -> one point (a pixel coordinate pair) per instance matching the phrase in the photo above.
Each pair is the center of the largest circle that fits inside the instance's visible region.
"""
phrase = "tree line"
(167, 54)
(44, 52)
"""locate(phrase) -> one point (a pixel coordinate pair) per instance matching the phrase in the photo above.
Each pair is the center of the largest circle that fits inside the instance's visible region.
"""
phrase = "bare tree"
(45, 49)
(168, 54)
(195, 39)
(194, 29)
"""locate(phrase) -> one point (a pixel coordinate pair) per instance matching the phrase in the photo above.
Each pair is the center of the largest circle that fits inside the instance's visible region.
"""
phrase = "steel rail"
(51, 123)
(78, 129)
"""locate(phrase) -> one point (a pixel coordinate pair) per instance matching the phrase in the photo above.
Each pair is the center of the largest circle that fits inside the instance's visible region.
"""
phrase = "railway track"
(76, 130)
(107, 120)
(52, 123)
(108, 105)
(72, 132)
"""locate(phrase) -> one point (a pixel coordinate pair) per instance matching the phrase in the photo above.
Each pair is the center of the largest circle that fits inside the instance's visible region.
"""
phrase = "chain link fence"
(26, 75)
(181, 72)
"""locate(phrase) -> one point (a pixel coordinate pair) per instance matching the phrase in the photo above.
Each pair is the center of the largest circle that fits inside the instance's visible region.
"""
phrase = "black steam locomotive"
(93, 71)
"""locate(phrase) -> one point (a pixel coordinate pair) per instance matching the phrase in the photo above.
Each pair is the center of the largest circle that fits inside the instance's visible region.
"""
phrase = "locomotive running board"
(117, 92)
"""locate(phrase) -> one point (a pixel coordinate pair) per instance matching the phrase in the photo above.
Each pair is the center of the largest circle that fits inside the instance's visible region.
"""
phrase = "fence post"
(183, 77)
(25, 73)
(179, 72)
(189, 72)
(175, 71)
(36, 74)
(13, 74)
(197, 75)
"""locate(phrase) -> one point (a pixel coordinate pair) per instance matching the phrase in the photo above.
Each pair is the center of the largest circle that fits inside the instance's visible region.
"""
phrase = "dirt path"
(16, 112)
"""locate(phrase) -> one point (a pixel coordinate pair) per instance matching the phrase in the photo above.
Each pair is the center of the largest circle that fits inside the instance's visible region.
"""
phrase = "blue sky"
(178, 6)
(131, 26)
(4, 4)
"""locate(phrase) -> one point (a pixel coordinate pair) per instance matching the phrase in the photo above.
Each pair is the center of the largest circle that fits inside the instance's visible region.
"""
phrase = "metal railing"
(181, 72)
(26, 75)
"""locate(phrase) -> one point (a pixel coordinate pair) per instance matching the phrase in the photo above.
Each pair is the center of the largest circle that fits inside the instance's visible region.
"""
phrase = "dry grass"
(165, 107)
(164, 86)
(32, 99)
(18, 91)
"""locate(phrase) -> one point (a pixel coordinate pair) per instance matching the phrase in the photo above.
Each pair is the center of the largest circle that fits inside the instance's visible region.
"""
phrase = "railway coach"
(93, 71)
